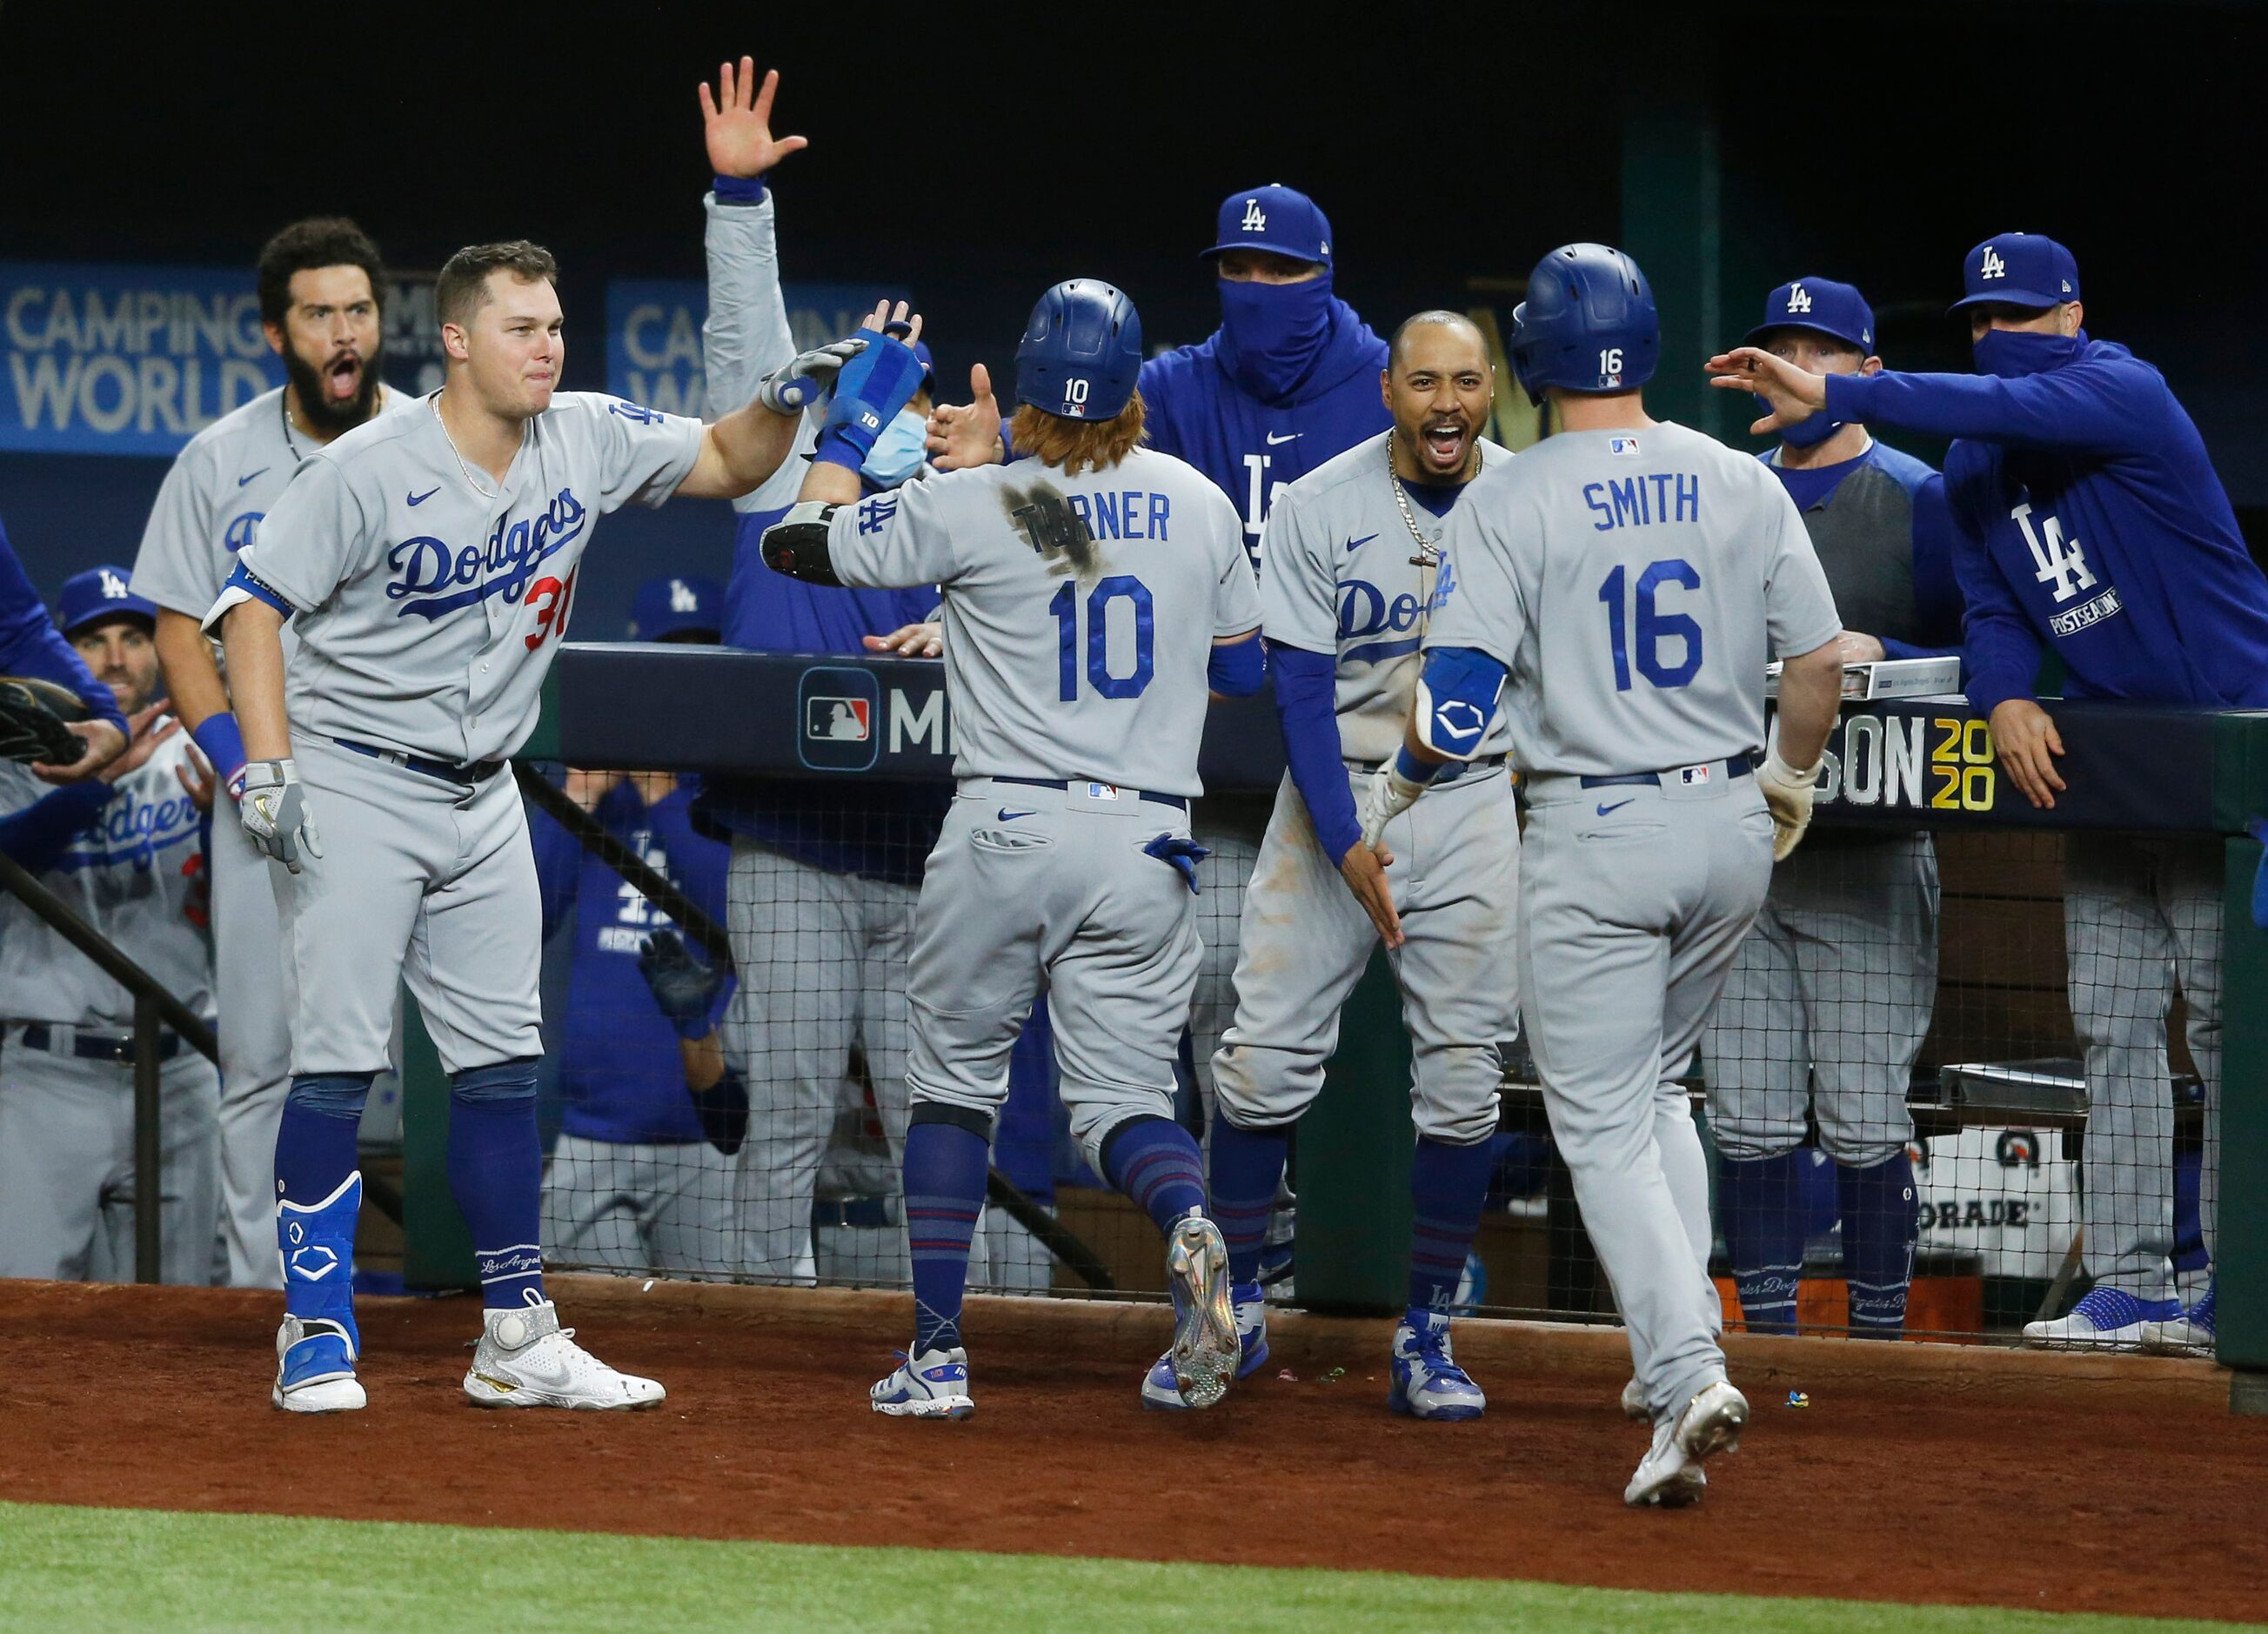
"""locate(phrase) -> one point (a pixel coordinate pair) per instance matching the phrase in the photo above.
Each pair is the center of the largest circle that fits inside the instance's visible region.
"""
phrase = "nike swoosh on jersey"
(419, 499)
(1356, 544)
(1008, 816)
(241, 480)
(1274, 441)
(1607, 810)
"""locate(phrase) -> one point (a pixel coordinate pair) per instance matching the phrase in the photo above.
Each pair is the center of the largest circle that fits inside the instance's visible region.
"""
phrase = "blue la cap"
(1823, 306)
(2019, 270)
(675, 603)
(1282, 220)
(99, 592)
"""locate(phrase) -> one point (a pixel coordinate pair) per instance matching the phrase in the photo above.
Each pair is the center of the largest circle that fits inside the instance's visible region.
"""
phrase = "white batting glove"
(274, 811)
(807, 377)
(1788, 792)
(1384, 798)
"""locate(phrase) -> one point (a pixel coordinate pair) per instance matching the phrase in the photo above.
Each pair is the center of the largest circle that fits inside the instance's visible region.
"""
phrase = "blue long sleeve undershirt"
(37, 837)
(1307, 704)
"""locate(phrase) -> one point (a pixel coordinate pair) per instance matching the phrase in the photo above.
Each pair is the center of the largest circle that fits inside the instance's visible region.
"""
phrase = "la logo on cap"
(681, 598)
(114, 588)
(1798, 299)
(1993, 266)
(1255, 220)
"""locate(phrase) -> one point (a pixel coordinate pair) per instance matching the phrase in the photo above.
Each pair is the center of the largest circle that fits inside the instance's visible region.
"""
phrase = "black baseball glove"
(33, 722)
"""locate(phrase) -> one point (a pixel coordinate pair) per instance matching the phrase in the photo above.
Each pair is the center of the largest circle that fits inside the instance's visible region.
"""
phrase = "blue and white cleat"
(2192, 1333)
(315, 1368)
(1208, 1353)
(1427, 1381)
(1670, 1473)
(1250, 1300)
(932, 1385)
(2108, 1319)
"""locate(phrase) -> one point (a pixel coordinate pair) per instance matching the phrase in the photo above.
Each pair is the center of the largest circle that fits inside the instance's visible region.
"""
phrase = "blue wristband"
(223, 743)
(739, 189)
(1414, 770)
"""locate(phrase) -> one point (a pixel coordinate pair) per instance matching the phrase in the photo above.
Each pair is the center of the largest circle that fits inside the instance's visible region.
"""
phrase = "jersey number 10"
(1655, 627)
(1065, 607)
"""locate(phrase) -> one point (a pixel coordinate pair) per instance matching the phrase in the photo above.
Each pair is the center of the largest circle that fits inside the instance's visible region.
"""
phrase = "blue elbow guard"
(1236, 671)
(1456, 700)
(868, 391)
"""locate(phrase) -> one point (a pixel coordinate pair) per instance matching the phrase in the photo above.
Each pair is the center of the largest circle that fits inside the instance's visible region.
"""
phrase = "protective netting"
(1952, 1085)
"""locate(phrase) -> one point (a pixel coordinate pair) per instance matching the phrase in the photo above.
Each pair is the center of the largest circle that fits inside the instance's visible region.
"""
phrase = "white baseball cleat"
(1634, 1402)
(525, 1358)
(314, 1368)
(932, 1385)
(1670, 1473)
(1207, 1351)
(2192, 1333)
(2108, 1319)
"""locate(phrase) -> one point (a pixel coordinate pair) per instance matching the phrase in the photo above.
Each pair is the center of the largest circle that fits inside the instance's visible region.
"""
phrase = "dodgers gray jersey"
(746, 334)
(135, 873)
(429, 607)
(1338, 575)
(1079, 611)
(1635, 584)
(212, 503)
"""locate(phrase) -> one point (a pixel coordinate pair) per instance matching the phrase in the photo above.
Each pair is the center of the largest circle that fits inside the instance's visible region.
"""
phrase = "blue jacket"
(621, 1076)
(1250, 448)
(2088, 515)
(30, 644)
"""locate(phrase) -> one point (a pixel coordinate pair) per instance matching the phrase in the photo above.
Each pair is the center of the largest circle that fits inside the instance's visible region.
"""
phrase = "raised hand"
(1791, 394)
(969, 434)
(737, 121)
(901, 323)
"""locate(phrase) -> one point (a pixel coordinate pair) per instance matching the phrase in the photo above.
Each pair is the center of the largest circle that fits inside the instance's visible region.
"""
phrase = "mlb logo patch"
(838, 720)
(1101, 790)
(1627, 446)
(839, 709)
(1693, 777)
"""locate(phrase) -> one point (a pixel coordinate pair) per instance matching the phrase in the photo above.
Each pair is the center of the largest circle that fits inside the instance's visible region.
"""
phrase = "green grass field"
(67, 1568)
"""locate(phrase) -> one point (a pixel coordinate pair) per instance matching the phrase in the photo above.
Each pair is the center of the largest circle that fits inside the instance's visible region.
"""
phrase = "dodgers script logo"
(443, 580)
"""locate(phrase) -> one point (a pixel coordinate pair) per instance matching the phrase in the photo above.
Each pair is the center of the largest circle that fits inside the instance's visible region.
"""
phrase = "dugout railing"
(1909, 763)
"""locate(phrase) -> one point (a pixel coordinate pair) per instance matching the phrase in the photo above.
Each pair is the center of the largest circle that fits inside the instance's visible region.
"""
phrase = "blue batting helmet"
(1588, 323)
(1080, 353)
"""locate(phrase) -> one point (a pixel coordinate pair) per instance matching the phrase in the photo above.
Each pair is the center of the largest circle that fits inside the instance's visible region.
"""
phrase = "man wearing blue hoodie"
(2088, 515)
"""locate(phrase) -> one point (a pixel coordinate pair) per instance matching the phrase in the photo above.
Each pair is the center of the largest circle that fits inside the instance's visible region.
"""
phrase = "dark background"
(973, 156)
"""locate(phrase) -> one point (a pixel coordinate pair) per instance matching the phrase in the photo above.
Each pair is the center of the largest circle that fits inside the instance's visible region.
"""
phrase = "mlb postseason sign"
(105, 359)
(125, 360)
(653, 334)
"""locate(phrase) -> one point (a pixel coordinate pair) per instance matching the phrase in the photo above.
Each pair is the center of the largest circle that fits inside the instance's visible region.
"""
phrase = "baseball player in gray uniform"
(429, 560)
(1630, 580)
(1090, 595)
(1347, 565)
(121, 848)
(321, 286)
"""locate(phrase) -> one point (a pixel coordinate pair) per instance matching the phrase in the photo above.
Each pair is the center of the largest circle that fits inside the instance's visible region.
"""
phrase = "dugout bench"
(1901, 764)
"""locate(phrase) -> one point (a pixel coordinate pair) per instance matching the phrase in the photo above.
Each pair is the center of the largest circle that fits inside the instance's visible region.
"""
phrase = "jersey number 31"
(1655, 626)
(1065, 606)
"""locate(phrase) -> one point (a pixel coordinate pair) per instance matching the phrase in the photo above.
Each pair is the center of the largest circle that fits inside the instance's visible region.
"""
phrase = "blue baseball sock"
(1247, 1167)
(946, 1158)
(315, 1167)
(495, 1174)
(1759, 1204)
(1156, 1162)
(1449, 1186)
(1879, 1228)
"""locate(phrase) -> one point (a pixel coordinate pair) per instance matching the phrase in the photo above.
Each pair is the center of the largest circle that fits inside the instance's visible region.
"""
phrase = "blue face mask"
(1272, 333)
(898, 453)
(1805, 433)
(2011, 354)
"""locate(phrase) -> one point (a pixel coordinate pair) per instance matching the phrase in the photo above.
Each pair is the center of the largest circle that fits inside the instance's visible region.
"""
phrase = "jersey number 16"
(1655, 626)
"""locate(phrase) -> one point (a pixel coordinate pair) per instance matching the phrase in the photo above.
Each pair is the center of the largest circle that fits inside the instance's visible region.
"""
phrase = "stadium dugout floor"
(1918, 1473)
